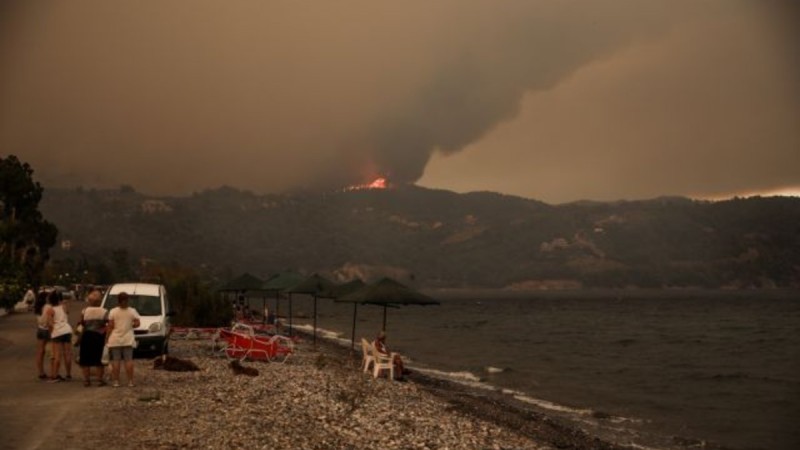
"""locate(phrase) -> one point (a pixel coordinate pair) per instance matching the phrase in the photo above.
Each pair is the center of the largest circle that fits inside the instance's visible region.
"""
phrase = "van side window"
(147, 305)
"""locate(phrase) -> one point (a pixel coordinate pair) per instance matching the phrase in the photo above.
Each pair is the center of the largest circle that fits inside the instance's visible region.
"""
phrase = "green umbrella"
(316, 286)
(387, 293)
(242, 285)
(282, 282)
(244, 282)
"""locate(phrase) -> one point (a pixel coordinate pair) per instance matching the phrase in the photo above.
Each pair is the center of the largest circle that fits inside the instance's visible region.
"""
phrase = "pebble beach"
(317, 399)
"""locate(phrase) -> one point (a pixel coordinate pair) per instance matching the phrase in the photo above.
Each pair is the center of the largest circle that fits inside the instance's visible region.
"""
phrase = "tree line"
(26, 240)
(25, 236)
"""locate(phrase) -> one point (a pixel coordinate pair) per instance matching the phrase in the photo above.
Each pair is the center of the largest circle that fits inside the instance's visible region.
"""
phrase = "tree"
(122, 266)
(25, 237)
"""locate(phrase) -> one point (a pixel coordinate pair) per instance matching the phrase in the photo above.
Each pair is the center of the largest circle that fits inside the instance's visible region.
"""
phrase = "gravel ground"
(318, 399)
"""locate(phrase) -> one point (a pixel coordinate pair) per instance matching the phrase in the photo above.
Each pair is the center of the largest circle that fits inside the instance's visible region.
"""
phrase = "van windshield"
(145, 305)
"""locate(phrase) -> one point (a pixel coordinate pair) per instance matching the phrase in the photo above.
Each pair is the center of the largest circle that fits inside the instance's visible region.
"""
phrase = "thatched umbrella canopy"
(316, 286)
(244, 282)
(242, 285)
(281, 282)
(387, 293)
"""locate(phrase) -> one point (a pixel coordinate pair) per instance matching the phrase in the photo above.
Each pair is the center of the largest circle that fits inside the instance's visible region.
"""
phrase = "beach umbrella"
(280, 283)
(318, 287)
(340, 290)
(243, 284)
(387, 293)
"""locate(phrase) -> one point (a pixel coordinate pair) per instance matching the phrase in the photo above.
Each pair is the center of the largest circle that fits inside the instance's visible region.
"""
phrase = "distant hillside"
(443, 239)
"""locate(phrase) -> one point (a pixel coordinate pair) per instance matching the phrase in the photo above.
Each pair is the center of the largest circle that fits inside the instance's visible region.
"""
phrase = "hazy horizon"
(296, 190)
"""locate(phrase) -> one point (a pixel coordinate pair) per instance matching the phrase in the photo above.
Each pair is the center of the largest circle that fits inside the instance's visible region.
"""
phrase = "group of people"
(98, 331)
(243, 312)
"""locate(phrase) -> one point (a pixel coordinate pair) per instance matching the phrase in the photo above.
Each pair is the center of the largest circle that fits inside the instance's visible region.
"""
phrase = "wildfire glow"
(378, 183)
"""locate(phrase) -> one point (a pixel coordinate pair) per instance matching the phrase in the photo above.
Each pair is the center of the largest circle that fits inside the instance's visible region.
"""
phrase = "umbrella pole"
(315, 320)
(384, 318)
(290, 313)
(353, 334)
(263, 307)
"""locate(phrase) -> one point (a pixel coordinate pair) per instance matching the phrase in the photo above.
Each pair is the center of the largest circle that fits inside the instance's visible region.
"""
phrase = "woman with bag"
(60, 337)
(41, 308)
(94, 320)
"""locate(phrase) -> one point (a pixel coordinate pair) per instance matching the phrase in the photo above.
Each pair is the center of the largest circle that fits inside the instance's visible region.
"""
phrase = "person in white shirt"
(60, 336)
(120, 338)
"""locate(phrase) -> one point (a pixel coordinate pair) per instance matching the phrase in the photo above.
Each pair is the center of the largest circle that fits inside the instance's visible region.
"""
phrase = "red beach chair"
(243, 343)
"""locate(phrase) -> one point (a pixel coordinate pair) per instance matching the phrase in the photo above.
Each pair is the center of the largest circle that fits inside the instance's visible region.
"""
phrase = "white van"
(150, 301)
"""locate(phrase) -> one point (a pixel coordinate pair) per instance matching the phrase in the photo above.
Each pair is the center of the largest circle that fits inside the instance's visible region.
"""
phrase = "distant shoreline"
(624, 293)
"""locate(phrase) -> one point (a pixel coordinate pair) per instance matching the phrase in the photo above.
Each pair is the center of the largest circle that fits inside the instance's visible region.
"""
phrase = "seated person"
(380, 346)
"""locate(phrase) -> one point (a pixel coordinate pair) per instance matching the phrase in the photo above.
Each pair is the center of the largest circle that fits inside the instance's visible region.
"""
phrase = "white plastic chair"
(366, 351)
(382, 361)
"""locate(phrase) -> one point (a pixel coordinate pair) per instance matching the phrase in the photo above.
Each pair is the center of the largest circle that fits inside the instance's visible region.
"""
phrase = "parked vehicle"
(152, 304)
(26, 304)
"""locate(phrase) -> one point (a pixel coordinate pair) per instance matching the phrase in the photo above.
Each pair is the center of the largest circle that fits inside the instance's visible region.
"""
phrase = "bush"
(197, 303)
(12, 285)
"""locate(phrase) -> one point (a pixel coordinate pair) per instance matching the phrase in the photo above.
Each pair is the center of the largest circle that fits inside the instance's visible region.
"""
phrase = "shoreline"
(621, 293)
(493, 406)
(317, 399)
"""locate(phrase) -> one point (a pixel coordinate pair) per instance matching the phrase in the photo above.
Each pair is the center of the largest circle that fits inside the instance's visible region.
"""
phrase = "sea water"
(662, 370)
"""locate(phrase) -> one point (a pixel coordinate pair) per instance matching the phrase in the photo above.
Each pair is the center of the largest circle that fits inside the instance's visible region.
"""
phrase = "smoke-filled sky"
(555, 100)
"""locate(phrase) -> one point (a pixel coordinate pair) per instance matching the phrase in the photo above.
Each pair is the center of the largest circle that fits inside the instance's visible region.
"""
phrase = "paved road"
(34, 414)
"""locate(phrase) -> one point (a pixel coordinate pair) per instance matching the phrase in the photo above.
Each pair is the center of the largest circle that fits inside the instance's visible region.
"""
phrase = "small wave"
(640, 447)
(333, 336)
(490, 369)
(544, 404)
(456, 376)
(469, 379)
(511, 392)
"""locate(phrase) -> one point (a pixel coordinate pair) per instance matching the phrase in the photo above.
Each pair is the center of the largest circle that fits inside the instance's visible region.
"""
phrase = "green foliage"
(12, 284)
(25, 237)
(446, 239)
(122, 265)
(195, 301)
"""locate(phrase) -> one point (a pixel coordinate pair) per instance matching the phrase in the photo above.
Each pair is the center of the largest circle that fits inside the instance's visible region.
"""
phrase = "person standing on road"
(60, 337)
(120, 338)
(40, 308)
(94, 320)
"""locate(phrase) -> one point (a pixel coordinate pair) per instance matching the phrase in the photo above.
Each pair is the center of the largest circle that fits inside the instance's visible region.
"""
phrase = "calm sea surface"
(660, 370)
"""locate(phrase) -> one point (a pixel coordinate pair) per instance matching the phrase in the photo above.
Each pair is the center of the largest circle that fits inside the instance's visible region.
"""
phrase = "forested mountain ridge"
(443, 239)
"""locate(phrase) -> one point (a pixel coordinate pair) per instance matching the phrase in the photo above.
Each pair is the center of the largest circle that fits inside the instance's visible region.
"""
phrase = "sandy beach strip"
(318, 399)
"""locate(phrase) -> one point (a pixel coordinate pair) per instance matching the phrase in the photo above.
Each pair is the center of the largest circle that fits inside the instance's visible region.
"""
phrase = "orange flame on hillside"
(378, 183)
